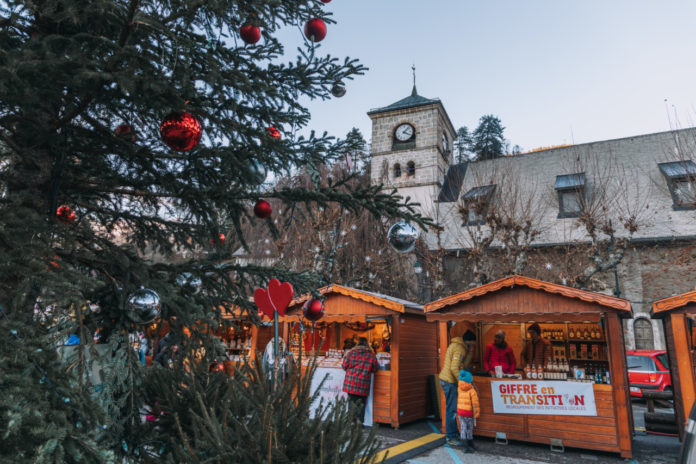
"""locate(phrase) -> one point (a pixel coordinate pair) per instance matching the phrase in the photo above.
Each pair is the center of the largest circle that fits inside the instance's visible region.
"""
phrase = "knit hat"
(469, 336)
(465, 376)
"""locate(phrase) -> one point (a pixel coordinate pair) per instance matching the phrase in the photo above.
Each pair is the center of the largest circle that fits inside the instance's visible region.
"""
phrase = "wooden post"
(444, 343)
(676, 332)
(619, 380)
(395, 363)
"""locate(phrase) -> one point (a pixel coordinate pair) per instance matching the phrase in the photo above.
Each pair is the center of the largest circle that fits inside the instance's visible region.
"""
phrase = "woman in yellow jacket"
(467, 409)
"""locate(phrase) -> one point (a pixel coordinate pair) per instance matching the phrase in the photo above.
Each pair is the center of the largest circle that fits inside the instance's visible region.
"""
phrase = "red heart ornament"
(263, 302)
(276, 298)
(280, 294)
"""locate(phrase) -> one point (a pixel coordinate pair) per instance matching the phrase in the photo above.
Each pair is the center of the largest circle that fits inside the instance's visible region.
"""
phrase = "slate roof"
(411, 101)
(453, 183)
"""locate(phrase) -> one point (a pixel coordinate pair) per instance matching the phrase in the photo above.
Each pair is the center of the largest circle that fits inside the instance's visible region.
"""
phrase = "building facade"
(632, 197)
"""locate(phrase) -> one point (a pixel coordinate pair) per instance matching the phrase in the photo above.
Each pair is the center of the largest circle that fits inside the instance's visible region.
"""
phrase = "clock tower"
(412, 148)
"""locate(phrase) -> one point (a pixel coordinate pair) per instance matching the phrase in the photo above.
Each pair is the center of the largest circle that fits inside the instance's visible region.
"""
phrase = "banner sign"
(530, 397)
(332, 389)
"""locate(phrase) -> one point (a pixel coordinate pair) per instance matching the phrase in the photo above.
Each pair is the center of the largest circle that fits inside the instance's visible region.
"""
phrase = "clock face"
(404, 132)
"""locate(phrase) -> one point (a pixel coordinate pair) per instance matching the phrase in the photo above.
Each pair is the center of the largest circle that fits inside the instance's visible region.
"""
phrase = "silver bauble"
(144, 306)
(338, 90)
(402, 237)
(258, 172)
(189, 282)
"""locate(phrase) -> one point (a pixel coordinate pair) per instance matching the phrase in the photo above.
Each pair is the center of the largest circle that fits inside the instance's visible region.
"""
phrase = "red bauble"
(273, 132)
(220, 239)
(65, 214)
(313, 310)
(125, 130)
(181, 131)
(325, 1)
(262, 209)
(216, 367)
(250, 33)
(315, 29)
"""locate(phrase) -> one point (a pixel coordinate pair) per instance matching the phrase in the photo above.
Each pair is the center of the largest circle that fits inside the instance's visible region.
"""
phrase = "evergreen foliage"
(72, 72)
(463, 142)
(488, 139)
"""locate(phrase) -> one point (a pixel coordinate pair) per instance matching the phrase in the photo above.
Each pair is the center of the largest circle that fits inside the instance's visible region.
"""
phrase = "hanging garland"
(359, 326)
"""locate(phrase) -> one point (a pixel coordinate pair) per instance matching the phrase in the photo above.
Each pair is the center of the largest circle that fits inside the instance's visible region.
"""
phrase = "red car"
(648, 369)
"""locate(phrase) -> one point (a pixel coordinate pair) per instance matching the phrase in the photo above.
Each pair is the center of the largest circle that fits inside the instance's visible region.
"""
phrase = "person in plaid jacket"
(359, 363)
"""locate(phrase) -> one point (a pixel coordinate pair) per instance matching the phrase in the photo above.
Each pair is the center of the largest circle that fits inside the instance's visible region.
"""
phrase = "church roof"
(411, 101)
(453, 183)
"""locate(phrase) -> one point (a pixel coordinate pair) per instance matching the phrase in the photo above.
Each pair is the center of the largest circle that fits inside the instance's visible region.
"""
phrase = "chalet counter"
(595, 429)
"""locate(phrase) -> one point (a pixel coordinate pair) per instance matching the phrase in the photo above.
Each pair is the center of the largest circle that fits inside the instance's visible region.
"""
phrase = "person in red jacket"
(359, 364)
(499, 353)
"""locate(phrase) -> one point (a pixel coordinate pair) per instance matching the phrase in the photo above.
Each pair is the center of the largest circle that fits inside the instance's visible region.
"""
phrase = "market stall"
(579, 397)
(405, 344)
(244, 339)
(678, 313)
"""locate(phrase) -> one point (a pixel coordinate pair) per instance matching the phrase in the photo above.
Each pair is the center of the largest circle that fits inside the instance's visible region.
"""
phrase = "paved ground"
(647, 448)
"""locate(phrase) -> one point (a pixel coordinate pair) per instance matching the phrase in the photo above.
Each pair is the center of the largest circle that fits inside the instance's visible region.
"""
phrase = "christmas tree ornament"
(338, 90)
(262, 209)
(250, 34)
(125, 131)
(315, 29)
(402, 237)
(276, 298)
(274, 133)
(220, 239)
(143, 306)
(258, 172)
(326, 1)
(189, 283)
(181, 131)
(313, 310)
(65, 214)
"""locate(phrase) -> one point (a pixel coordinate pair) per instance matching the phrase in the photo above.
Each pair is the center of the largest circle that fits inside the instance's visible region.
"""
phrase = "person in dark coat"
(359, 364)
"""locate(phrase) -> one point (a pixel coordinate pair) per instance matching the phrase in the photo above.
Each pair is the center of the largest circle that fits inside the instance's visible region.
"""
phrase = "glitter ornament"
(181, 131)
(402, 237)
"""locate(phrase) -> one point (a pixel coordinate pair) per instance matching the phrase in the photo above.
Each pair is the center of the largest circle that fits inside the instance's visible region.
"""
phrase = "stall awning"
(673, 303)
(510, 308)
(378, 299)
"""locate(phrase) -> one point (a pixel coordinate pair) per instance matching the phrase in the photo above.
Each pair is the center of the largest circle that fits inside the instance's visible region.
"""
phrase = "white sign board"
(531, 397)
(332, 389)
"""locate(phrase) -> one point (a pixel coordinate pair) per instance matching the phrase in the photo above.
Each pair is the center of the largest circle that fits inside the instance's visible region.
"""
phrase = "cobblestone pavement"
(647, 448)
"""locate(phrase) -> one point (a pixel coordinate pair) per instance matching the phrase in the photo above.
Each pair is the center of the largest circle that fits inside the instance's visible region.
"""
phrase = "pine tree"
(463, 142)
(85, 87)
(488, 138)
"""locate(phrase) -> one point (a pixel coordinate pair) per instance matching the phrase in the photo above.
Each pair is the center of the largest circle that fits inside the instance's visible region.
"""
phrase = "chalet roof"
(385, 301)
(548, 287)
(661, 307)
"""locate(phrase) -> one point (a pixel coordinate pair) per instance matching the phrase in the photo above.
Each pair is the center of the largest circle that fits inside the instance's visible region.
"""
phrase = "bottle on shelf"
(527, 372)
(585, 334)
(534, 372)
(540, 372)
(571, 333)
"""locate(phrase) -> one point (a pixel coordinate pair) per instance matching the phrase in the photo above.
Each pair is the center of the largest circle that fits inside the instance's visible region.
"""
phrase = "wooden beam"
(395, 374)
(444, 342)
(619, 380)
(684, 387)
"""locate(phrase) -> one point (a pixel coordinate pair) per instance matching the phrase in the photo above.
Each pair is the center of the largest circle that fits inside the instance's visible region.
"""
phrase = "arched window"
(643, 332)
(411, 168)
(397, 170)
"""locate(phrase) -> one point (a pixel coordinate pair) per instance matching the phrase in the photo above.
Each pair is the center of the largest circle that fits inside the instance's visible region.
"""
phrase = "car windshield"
(662, 357)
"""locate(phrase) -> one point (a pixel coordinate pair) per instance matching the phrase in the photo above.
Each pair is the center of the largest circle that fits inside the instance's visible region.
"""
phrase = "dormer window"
(411, 169)
(681, 179)
(397, 170)
(404, 137)
(571, 194)
(476, 203)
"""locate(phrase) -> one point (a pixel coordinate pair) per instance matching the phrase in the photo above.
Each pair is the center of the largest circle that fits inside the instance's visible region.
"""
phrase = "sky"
(554, 72)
